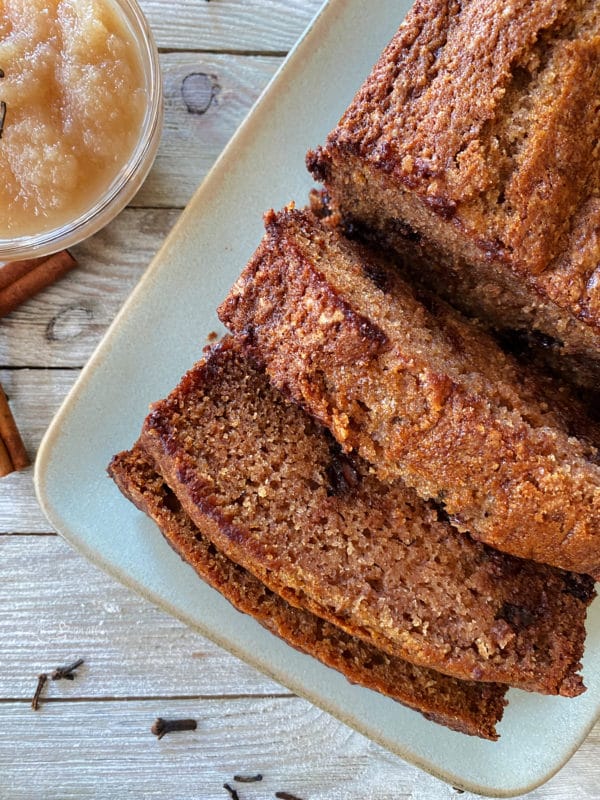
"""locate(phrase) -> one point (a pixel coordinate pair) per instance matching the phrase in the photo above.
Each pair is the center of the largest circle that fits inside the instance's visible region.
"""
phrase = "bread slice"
(469, 707)
(473, 144)
(418, 392)
(273, 492)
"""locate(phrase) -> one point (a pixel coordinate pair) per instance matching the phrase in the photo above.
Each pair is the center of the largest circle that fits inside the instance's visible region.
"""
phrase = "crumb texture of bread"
(418, 392)
(466, 706)
(274, 492)
(478, 131)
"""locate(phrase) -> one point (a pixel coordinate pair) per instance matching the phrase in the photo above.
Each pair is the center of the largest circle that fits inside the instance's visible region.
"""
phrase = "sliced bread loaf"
(273, 492)
(419, 392)
(469, 707)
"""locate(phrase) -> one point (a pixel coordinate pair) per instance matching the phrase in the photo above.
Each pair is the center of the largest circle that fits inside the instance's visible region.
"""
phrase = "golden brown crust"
(479, 128)
(438, 405)
(468, 707)
(269, 488)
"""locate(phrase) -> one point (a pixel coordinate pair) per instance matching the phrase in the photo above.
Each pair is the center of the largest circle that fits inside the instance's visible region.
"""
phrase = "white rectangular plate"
(158, 336)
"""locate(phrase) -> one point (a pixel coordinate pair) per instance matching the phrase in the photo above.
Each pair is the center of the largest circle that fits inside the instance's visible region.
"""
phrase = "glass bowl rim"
(129, 178)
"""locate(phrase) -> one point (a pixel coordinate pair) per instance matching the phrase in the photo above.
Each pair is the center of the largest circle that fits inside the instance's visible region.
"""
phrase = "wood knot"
(198, 90)
(68, 323)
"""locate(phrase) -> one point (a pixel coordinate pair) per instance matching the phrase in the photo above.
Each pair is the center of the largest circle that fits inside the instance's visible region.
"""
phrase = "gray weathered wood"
(72, 751)
(206, 98)
(231, 25)
(62, 326)
(54, 606)
(60, 608)
(104, 750)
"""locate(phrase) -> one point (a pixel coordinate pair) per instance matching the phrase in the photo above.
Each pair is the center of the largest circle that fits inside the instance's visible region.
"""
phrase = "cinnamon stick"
(44, 274)
(10, 436)
(13, 270)
(6, 465)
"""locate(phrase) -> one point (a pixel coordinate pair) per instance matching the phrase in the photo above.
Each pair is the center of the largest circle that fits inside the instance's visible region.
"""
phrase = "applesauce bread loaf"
(418, 392)
(474, 145)
(273, 492)
(466, 706)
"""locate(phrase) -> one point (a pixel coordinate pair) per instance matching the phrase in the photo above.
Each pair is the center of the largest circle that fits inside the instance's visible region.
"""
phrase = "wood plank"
(206, 98)
(56, 607)
(34, 396)
(64, 748)
(239, 25)
(62, 326)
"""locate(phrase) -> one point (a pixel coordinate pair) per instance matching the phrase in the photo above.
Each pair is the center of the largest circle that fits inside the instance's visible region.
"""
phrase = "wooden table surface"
(91, 738)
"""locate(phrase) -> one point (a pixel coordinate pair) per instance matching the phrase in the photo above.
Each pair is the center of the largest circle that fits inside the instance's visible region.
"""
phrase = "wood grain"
(91, 738)
(232, 25)
(206, 98)
(104, 750)
(65, 748)
(62, 326)
(131, 648)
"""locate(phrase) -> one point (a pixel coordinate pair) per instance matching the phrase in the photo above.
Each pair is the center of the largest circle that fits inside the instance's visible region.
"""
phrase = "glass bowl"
(133, 173)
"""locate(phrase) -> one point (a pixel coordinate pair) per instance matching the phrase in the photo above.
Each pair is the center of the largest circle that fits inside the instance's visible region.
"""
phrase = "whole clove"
(42, 679)
(58, 674)
(67, 672)
(248, 778)
(162, 726)
(233, 792)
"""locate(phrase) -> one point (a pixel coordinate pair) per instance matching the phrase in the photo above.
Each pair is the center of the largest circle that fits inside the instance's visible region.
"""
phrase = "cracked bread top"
(489, 112)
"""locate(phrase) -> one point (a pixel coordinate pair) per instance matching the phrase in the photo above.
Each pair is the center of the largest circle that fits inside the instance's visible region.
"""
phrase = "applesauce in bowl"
(80, 118)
